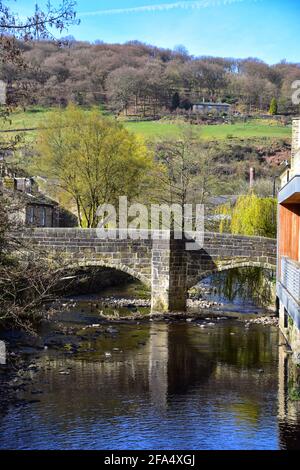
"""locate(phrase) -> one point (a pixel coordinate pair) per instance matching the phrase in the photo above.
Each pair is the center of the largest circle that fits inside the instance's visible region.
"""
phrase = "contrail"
(184, 5)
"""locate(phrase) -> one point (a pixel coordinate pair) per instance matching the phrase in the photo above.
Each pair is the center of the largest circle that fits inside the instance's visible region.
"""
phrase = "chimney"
(252, 177)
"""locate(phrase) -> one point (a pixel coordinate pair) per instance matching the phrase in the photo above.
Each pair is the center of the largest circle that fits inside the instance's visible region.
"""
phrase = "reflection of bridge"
(164, 265)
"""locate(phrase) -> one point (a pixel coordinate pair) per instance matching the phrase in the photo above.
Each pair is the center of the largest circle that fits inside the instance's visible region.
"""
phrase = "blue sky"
(268, 29)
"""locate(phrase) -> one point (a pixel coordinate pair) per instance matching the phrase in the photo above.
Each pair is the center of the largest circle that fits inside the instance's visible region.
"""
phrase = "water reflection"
(246, 288)
(158, 365)
(163, 386)
(288, 400)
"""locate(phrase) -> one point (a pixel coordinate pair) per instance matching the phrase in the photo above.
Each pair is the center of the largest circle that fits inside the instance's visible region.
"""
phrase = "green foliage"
(245, 283)
(224, 213)
(293, 389)
(93, 158)
(273, 107)
(251, 215)
(175, 101)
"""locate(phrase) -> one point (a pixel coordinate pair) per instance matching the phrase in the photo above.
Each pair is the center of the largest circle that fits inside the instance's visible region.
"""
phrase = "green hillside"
(32, 119)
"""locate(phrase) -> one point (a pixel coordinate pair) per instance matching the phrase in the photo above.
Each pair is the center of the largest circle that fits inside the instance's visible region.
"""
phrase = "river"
(210, 384)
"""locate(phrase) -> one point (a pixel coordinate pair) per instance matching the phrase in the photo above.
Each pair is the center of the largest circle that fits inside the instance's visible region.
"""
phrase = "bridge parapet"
(164, 265)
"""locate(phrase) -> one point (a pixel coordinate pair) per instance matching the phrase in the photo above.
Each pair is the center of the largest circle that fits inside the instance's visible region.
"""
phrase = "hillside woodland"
(137, 78)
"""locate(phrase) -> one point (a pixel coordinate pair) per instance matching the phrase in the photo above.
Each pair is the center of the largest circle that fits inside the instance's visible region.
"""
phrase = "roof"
(284, 168)
(35, 198)
(211, 104)
(39, 199)
(222, 199)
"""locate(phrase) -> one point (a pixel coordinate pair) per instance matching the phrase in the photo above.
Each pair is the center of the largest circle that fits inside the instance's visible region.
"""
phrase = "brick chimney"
(252, 177)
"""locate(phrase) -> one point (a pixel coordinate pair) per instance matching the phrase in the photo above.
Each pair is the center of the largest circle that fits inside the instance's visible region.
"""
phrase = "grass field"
(249, 130)
(161, 129)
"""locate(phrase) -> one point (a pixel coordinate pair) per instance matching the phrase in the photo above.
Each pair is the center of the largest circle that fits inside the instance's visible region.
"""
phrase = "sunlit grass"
(152, 130)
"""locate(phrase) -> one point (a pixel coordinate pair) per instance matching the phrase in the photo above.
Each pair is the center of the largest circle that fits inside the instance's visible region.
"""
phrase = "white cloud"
(183, 5)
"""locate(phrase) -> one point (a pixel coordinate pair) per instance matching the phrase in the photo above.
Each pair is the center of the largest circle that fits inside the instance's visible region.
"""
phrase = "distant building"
(2, 92)
(34, 208)
(288, 262)
(209, 107)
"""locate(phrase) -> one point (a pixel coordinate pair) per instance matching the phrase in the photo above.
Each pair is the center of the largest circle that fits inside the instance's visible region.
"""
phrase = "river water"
(157, 385)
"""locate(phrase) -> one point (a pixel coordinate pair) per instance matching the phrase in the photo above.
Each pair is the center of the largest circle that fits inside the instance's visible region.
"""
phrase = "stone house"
(208, 107)
(34, 208)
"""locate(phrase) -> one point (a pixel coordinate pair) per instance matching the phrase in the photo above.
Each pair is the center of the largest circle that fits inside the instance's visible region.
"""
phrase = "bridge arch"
(162, 263)
(134, 273)
(192, 281)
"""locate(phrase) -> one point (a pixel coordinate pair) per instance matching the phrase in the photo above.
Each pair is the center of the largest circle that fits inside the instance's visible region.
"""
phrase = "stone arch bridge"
(164, 265)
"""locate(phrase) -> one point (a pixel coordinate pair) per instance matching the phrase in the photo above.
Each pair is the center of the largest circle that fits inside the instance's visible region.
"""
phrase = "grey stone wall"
(289, 325)
(39, 215)
(82, 247)
(226, 251)
(163, 265)
(169, 276)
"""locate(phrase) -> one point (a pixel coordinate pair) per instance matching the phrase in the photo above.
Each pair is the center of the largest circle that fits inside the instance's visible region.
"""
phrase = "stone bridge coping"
(164, 264)
(135, 234)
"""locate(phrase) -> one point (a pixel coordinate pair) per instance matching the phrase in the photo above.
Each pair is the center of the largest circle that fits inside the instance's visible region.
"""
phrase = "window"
(30, 215)
(286, 318)
(43, 218)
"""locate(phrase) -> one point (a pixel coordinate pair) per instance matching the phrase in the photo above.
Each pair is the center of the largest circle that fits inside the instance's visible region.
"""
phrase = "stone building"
(205, 108)
(34, 208)
(288, 259)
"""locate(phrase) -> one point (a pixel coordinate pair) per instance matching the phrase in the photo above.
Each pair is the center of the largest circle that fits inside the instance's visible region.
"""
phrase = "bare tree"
(40, 24)
(190, 175)
(26, 281)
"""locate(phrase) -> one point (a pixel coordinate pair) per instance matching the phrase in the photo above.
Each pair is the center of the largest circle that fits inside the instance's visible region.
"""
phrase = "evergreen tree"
(175, 101)
(273, 107)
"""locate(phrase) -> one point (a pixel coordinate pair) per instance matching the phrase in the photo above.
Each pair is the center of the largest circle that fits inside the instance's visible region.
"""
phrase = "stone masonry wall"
(169, 276)
(82, 247)
(226, 251)
(163, 265)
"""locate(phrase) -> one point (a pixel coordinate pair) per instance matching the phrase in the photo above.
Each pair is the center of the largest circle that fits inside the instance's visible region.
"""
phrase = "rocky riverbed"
(78, 328)
(267, 321)
(136, 305)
